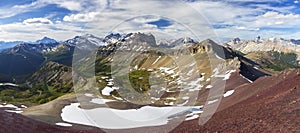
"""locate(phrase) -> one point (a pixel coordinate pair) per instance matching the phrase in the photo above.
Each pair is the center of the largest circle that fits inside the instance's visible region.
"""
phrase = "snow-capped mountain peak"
(46, 40)
(85, 39)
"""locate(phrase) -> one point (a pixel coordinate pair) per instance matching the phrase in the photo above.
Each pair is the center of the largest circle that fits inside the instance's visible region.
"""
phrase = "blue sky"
(28, 20)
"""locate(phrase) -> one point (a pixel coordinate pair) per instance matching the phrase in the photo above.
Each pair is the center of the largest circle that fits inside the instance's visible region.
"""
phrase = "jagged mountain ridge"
(6, 45)
(270, 44)
(35, 55)
(174, 42)
(62, 52)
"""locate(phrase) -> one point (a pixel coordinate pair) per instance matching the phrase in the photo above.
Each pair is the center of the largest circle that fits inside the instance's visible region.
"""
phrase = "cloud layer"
(172, 19)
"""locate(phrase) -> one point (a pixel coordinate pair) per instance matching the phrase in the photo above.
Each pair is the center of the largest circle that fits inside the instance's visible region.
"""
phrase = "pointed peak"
(208, 41)
(46, 40)
(88, 35)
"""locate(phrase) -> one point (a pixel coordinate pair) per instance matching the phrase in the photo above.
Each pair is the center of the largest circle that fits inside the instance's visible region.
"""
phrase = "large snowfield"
(121, 119)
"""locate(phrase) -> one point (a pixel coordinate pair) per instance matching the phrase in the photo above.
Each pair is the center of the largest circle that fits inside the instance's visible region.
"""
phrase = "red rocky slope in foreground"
(16, 123)
(271, 104)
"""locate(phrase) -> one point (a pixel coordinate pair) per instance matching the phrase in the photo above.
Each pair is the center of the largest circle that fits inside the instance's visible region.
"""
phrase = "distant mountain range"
(32, 55)
(6, 45)
(270, 44)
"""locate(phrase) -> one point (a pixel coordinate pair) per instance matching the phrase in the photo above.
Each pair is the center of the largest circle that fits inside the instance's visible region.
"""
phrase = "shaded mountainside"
(52, 74)
(274, 61)
(247, 66)
(46, 84)
(20, 61)
(18, 66)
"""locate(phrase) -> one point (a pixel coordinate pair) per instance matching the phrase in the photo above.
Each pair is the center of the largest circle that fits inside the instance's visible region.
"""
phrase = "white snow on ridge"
(8, 84)
(213, 101)
(228, 93)
(63, 124)
(107, 90)
(101, 101)
(8, 106)
(14, 108)
(171, 98)
(120, 119)
(246, 78)
(192, 64)
(156, 60)
(117, 98)
(89, 95)
(209, 87)
(192, 117)
(14, 111)
(104, 77)
(110, 83)
(219, 57)
(207, 79)
(185, 98)
(190, 72)
(23, 106)
(228, 74)
(171, 103)
(167, 70)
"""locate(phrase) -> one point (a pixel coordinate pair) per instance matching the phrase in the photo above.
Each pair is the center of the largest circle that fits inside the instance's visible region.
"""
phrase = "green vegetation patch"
(139, 80)
(281, 61)
(38, 94)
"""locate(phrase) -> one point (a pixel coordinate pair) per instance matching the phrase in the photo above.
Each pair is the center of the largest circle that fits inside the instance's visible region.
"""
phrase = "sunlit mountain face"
(149, 66)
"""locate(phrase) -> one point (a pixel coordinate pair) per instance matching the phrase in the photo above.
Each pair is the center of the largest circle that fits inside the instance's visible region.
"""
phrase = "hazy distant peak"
(46, 40)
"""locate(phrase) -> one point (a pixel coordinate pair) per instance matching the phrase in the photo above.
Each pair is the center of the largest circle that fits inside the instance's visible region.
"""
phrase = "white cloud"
(277, 20)
(17, 9)
(37, 21)
(103, 16)
(241, 28)
(70, 5)
(276, 15)
(133, 16)
(76, 5)
(27, 31)
(82, 17)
